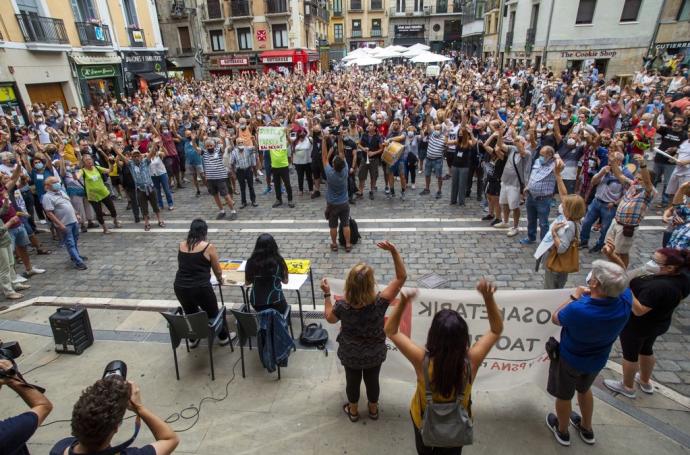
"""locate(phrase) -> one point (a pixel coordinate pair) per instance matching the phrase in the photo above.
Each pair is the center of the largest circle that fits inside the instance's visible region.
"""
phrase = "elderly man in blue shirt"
(591, 321)
(539, 194)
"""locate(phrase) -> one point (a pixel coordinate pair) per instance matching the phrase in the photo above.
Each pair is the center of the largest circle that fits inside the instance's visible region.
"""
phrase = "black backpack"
(354, 233)
(314, 335)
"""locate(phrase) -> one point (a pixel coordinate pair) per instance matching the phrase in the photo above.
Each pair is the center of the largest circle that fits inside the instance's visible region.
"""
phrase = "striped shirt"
(243, 158)
(213, 164)
(436, 147)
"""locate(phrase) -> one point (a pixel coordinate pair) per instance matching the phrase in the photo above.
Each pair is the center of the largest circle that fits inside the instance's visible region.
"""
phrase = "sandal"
(375, 415)
(161, 224)
(353, 417)
(42, 251)
(147, 227)
(118, 224)
(334, 247)
(348, 248)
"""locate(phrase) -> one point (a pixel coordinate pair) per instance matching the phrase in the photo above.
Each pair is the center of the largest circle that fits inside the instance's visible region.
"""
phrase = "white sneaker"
(512, 232)
(502, 225)
(37, 271)
(261, 174)
(618, 387)
(42, 221)
(19, 279)
(21, 286)
(646, 388)
(414, 187)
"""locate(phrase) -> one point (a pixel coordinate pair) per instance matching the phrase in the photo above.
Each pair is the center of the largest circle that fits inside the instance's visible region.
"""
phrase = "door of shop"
(47, 94)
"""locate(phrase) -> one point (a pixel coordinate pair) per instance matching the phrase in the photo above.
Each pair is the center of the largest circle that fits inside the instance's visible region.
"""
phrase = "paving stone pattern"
(142, 265)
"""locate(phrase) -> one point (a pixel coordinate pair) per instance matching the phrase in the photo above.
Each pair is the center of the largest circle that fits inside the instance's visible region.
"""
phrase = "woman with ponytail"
(361, 341)
(658, 287)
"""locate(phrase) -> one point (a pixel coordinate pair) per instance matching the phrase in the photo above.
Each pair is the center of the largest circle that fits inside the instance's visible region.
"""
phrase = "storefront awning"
(278, 56)
(81, 59)
(153, 79)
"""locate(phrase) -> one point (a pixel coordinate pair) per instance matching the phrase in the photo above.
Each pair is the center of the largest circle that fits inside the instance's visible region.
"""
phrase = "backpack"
(446, 424)
(314, 335)
(354, 233)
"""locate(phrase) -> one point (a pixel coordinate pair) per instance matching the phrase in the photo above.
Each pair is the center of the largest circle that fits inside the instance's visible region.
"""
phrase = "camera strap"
(116, 449)
(13, 373)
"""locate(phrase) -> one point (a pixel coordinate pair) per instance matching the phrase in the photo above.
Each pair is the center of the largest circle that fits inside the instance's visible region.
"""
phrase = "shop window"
(280, 36)
(631, 9)
(217, 40)
(684, 11)
(244, 38)
(585, 11)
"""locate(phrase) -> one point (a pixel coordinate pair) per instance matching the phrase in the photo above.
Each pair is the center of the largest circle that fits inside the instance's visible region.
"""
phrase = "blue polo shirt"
(590, 327)
(16, 431)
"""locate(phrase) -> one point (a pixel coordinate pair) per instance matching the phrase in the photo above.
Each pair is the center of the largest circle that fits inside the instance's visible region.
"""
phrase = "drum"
(392, 153)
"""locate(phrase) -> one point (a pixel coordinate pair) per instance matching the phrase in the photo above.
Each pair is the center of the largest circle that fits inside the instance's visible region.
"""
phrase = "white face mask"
(571, 142)
(560, 209)
(652, 267)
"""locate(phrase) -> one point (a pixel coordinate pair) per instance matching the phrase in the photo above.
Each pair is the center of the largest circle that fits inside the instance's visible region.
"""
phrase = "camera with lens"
(9, 351)
(117, 369)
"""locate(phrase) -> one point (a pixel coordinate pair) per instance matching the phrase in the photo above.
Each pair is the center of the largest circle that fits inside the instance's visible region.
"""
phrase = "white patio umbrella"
(429, 57)
(412, 53)
(373, 50)
(421, 46)
(396, 48)
(386, 53)
(364, 61)
(360, 52)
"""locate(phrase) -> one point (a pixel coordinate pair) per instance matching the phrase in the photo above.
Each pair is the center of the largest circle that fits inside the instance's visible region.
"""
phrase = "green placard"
(97, 72)
(272, 138)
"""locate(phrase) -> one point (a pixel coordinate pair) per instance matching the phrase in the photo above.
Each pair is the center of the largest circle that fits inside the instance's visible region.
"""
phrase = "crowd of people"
(527, 138)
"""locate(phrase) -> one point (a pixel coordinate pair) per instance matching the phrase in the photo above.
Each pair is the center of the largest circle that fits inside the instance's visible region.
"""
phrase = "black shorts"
(115, 180)
(316, 169)
(564, 380)
(217, 186)
(634, 343)
(339, 212)
(493, 187)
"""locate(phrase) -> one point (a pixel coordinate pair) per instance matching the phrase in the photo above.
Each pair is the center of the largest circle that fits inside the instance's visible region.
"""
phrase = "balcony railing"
(136, 37)
(356, 34)
(338, 40)
(276, 7)
(375, 5)
(376, 32)
(323, 13)
(439, 8)
(530, 36)
(91, 34)
(337, 13)
(240, 8)
(39, 29)
(509, 40)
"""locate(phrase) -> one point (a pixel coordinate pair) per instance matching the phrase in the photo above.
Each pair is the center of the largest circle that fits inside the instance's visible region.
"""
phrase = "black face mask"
(209, 150)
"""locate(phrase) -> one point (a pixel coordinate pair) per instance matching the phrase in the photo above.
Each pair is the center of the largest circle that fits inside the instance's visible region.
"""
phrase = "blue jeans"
(70, 237)
(537, 209)
(596, 210)
(162, 180)
(663, 171)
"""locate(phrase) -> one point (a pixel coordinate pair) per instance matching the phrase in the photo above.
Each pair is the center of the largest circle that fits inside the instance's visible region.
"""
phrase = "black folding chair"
(195, 326)
(274, 294)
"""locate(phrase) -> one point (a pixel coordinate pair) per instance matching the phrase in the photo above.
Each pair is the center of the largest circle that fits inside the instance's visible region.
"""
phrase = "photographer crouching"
(16, 431)
(100, 410)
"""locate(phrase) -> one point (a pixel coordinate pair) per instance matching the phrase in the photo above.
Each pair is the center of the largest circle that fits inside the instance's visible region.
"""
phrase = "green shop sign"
(97, 72)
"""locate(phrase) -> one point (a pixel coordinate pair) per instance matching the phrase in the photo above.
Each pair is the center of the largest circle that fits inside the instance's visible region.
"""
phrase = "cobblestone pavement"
(432, 235)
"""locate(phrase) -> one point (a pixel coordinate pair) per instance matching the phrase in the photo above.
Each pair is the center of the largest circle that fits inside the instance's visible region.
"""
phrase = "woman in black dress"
(196, 256)
(361, 341)
(266, 271)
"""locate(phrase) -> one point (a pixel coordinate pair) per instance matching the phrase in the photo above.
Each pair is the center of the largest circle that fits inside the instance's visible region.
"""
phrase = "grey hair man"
(591, 320)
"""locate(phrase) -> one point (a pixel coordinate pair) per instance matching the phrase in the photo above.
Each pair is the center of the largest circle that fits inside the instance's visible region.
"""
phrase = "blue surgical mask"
(56, 186)
(542, 160)
(39, 166)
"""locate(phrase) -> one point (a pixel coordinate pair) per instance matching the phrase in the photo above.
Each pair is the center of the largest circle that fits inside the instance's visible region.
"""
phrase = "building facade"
(437, 23)
(492, 23)
(336, 31)
(572, 34)
(672, 37)
(209, 38)
(77, 52)
(472, 41)
(366, 23)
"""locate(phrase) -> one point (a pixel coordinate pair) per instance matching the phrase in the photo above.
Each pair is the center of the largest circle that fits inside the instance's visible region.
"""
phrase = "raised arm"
(483, 345)
(408, 348)
(393, 288)
(562, 190)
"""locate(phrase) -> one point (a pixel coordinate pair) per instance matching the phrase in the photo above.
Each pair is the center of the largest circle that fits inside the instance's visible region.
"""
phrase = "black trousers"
(353, 379)
(246, 179)
(201, 298)
(132, 196)
(98, 208)
(302, 171)
(282, 175)
(426, 450)
(475, 170)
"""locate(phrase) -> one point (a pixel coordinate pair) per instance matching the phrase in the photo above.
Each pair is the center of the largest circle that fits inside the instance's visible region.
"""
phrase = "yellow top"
(418, 404)
(70, 155)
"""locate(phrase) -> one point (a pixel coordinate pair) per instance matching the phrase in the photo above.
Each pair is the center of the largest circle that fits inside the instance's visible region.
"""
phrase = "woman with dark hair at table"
(196, 256)
(266, 271)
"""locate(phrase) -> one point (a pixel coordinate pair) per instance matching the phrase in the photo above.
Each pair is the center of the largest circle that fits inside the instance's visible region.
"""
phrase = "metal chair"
(248, 327)
(195, 326)
(275, 293)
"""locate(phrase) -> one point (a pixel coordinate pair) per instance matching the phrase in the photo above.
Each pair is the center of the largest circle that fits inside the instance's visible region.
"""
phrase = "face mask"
(542, 160)
(564, 116)
(410, 134)
(588, 278)
(571, 142)
(643, 123)
(549, 126)
(502, 110)
(652, 267)
(166, 131)
(209, 150)
(560, 209)
(293, 137)
(436, 133)
(243, 127)
(56, 186)
(379, 122)
(38, 165)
